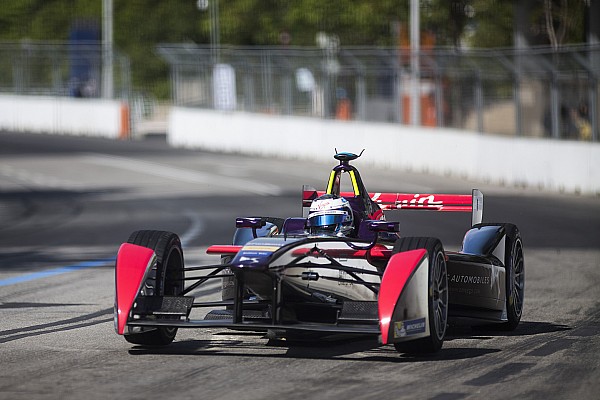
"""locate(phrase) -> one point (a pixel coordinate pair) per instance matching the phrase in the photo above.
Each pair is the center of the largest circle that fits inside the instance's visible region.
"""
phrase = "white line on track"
(182, 175)
(196, 228)
(34, 180)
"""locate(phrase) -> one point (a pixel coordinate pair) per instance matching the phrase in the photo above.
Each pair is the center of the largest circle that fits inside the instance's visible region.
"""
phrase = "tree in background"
(139, 25)
(563, 21)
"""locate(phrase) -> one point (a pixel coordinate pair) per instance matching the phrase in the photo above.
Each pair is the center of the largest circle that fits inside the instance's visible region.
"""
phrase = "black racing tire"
(514, 276)
(437, 294)
(514, 263)
(168, 282)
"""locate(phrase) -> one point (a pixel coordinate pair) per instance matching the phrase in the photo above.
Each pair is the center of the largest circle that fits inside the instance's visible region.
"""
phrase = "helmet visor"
(326, 220)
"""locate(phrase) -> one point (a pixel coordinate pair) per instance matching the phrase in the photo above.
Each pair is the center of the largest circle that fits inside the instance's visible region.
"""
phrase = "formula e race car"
(340, 269)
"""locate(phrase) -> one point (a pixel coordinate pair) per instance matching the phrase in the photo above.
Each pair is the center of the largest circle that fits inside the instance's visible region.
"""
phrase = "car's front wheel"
(437, 294)
(167, 280)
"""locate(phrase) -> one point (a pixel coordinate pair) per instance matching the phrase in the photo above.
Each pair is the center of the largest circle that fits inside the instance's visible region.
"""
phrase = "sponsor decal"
(409, 327)
(261, 248)
(464, 290)
(249, 260)
(255, 254)
(420, 201)
(469, 279)
(322, 205)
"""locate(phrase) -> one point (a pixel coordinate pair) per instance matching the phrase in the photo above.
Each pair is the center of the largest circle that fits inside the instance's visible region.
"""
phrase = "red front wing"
(132, 265)
(403, 296)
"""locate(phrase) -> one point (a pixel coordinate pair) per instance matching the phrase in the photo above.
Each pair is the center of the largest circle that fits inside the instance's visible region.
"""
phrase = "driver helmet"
(331, 215)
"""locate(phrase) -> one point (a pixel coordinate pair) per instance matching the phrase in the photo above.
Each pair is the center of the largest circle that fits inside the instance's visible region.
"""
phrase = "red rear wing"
(472, 203)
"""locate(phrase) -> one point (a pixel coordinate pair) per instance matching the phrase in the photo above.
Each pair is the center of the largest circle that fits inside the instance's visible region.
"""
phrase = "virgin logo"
(323, 205)
(420, 201)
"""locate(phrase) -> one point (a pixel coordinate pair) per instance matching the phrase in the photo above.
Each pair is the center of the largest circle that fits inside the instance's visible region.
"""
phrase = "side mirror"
(384, 226)
(250, 222)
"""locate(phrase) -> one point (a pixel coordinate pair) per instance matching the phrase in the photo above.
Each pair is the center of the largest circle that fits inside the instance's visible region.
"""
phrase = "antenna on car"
(344, 157)
(361, 152)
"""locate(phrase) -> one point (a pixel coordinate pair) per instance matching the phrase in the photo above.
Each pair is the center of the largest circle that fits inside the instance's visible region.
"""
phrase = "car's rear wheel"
(168, 279)
(514, 263)
(437, 294)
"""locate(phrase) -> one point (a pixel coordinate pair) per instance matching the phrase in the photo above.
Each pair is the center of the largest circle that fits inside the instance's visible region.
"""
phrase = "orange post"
(124, 129)
(344, 110)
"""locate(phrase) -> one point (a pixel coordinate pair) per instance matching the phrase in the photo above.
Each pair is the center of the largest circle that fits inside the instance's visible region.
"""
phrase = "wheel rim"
(518, 283)
(440, 295)
(173, 284)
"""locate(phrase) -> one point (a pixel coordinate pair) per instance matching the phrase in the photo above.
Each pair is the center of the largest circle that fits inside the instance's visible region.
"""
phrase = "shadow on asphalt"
(357, 349)
(368, 350)
(525, 328)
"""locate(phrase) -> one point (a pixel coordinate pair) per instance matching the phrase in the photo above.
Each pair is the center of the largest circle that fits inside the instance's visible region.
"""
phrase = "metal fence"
(59, 69)
(534, 92)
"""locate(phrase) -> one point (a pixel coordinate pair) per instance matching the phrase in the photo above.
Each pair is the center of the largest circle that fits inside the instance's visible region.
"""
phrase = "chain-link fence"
(537, 92)
(59, 69)
(534, 92)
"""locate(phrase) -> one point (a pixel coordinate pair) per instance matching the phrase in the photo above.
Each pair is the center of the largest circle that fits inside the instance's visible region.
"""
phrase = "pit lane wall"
(526, 162)
(64, 115)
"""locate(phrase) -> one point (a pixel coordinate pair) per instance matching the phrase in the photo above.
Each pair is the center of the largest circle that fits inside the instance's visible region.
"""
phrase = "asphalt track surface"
(66, 204)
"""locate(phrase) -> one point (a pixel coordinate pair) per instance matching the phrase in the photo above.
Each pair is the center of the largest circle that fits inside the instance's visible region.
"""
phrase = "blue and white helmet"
(330, 214)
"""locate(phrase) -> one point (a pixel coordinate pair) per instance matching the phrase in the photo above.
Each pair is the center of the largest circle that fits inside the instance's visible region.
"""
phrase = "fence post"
(517, 100)
(593, 106)
(397, 93)
(555, 106)
(361, 100)
(56, 77)
(286, 94)
(439, 99)
(175, 83)
(266, 79)
(479, 101)
(249, 90)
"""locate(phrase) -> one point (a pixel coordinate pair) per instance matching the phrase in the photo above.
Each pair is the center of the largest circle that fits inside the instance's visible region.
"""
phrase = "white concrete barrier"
(64, 115)
(548, 164)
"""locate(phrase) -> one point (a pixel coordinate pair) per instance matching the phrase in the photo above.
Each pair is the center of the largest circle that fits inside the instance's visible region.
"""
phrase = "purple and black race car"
(340, 269)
